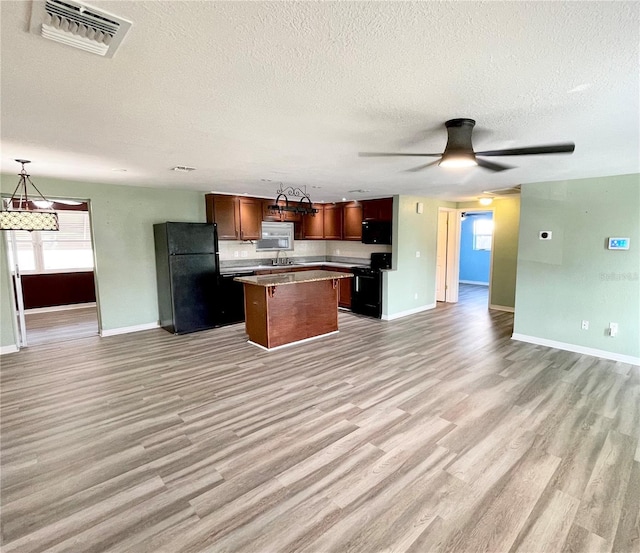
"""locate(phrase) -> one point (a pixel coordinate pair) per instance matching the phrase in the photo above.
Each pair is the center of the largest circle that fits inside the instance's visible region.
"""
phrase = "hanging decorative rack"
(27, 216)
(301, 203)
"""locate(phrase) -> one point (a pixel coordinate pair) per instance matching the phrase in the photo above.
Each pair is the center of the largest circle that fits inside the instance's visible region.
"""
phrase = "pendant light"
(27, 216)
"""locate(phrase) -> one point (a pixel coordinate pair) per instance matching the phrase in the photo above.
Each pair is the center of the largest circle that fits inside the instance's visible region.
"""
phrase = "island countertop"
(291, 278)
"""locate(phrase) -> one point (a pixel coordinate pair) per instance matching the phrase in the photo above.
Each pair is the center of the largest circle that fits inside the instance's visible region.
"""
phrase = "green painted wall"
(8, 330)
(573, 277)
(122, 220)
(412, 275)
(506, 221)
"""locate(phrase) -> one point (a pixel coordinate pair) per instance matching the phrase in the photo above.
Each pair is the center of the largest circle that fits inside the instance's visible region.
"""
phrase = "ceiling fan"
(459, 150)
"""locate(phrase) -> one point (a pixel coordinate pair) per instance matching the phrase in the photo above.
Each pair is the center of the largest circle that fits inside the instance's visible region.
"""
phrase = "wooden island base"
(287, 308)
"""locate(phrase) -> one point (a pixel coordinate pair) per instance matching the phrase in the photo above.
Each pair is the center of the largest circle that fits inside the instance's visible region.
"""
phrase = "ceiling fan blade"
(492, 165)
(420, 167)
(566, 148)
(390, 154)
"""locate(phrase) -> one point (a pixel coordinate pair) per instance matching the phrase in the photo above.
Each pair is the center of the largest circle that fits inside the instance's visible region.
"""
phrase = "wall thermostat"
(545, 235)
(618, 244)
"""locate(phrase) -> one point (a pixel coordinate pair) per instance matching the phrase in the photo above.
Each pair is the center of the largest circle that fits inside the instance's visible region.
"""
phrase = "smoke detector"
(78, 25)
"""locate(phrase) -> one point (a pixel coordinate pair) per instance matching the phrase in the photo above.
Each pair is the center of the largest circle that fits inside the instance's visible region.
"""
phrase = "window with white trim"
(482, 233)
(63, 250)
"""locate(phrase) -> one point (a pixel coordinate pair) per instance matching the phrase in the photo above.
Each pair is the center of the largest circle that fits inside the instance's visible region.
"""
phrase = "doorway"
(476, 237)
(54, 281)
(449, 288)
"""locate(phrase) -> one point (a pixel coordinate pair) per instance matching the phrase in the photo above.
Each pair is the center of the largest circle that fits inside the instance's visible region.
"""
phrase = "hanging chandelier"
(21, 213)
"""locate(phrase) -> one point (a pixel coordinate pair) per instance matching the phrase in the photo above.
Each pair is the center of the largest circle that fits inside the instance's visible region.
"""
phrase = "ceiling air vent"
(79, 25)
(504, 191)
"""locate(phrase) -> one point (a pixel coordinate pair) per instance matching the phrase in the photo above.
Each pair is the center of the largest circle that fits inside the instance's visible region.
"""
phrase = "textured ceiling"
(252, 92)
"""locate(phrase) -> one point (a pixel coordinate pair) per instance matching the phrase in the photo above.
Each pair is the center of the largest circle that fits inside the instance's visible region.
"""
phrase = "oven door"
(366, 293)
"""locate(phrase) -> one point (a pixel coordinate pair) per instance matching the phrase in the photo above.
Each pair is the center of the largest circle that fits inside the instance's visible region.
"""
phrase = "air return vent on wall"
(78, 25)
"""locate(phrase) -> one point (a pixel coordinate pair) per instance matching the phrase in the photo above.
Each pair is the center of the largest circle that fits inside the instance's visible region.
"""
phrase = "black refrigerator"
(188, 270)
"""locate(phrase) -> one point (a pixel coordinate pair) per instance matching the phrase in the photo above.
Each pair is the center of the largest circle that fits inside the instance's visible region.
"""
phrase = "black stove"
(366, 291)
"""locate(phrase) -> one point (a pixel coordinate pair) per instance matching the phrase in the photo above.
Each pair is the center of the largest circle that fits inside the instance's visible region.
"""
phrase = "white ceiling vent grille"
(79, 25)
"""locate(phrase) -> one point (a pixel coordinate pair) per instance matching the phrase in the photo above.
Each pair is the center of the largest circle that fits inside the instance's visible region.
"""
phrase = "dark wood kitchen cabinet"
(377, 210)
(282, 216)
(250, 218)
(225, 212)
(332, 221)
(237, 217)
(352, 221)
(344, 290)
(313, 225)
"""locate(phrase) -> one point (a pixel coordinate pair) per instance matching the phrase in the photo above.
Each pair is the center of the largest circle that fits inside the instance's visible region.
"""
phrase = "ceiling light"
(24, 216)
(183, 169)
(119, 170)
(458, 159)
(485, 201)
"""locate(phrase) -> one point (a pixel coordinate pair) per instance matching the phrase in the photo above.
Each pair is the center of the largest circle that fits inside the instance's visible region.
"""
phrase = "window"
(67, 249)
(482, 232)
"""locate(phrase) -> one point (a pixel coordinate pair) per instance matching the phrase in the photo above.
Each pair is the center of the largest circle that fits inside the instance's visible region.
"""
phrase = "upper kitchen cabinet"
(313, 225)
(275, 215)
(352, 221)
(377, 210)
(238, 218)
(250, 218)
(333, 221)
(225, 212)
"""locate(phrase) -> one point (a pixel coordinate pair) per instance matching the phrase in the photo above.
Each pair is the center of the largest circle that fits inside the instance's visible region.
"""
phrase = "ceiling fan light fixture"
(458, 160)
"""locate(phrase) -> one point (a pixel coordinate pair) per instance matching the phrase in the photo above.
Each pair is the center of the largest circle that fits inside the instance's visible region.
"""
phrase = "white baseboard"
(128, 329)
(59, 308)
(408, 312)
(477, 283)
(293, 343)
(502, 308)
(577, 349)
(9, 349)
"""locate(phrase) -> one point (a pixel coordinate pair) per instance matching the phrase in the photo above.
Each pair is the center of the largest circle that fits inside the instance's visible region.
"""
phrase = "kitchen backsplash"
(235, 250)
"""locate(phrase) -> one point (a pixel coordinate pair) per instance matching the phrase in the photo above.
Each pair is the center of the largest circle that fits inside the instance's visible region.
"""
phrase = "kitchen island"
(285, 308)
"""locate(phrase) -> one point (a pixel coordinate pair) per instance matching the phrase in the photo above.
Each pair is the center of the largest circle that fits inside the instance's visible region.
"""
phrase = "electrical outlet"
(236, 254)
(243, 254)
(585, 325)
(613, 329)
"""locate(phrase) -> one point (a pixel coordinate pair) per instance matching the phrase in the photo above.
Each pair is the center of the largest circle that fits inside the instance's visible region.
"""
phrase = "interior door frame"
(452, 255)
(19, 324)
(460, 211)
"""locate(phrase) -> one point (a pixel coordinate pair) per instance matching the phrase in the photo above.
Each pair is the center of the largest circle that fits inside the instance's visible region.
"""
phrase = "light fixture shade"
(20, 219)
(458, 159)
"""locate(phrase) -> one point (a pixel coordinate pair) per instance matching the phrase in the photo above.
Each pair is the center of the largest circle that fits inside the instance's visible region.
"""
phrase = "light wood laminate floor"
(60, 326)
(432, 433)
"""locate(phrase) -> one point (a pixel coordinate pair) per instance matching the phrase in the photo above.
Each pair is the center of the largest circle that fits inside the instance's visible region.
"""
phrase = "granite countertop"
(291, 278)
(251, 268)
